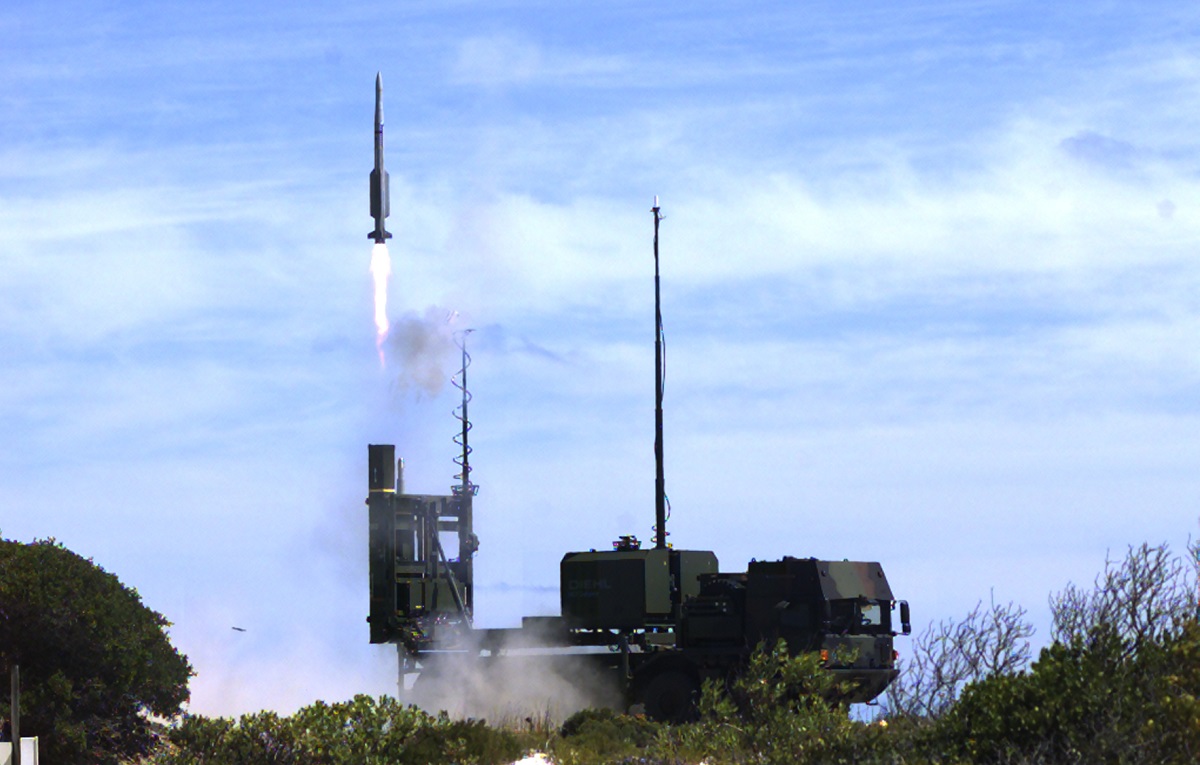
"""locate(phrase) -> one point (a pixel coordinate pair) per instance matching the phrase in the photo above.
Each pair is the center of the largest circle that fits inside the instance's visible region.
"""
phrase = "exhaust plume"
(381, 271)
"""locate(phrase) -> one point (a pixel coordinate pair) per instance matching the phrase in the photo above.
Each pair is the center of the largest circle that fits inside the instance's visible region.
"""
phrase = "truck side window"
(843, 616)
(872, 614)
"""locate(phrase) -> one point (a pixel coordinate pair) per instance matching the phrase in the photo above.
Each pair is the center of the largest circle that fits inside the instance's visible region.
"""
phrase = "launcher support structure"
(419, 594)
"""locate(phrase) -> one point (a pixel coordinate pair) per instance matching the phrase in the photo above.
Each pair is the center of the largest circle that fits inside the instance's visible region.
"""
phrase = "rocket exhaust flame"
(381, 271)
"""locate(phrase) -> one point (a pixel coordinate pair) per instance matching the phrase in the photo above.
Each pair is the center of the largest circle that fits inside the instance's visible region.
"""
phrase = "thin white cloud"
(493, 61)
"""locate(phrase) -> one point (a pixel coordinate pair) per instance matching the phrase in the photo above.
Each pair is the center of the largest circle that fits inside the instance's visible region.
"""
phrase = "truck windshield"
(859, 616)
(872, 614)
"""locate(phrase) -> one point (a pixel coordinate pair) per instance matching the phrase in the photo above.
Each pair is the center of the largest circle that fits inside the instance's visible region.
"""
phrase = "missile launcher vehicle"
(669, 618)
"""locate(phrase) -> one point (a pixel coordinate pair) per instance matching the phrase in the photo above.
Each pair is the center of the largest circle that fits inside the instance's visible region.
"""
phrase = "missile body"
(380, 197)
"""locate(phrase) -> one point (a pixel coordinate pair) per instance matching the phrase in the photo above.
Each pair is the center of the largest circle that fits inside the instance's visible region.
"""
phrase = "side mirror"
(905, 618)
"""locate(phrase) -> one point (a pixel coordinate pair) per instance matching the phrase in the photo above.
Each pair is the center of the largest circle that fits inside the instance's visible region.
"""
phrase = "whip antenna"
(660, 491)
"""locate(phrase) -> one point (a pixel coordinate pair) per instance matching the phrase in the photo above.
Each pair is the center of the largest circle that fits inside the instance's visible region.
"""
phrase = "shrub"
(364, 731)
(776, 712)
(596, 736)
(1088, 701)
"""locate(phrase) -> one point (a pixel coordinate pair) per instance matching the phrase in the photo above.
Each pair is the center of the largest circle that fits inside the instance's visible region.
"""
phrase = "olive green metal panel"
(621, 589)
(658, 584)
(630, 589)
(603, 593)
(382, 556)
(690, 565)
(810, 580)
(853, 579)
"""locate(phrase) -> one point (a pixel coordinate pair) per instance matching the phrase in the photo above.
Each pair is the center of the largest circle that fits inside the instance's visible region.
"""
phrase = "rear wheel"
(670, 696)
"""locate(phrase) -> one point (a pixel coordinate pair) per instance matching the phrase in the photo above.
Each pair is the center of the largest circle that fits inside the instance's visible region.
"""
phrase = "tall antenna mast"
(660, 490)
(465, 487)
(464, 491)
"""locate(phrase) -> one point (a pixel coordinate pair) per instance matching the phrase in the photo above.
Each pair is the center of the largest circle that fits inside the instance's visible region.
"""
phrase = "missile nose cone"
(378, 99)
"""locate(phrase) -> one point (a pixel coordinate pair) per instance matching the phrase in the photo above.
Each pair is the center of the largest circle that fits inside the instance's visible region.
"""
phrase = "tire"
(670, 696)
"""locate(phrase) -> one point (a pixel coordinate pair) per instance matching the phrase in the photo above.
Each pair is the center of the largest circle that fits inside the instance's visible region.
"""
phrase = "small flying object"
(380, 197)
(239, 629)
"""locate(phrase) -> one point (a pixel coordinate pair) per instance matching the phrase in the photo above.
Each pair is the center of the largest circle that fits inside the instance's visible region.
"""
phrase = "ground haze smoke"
(512, 688)
(543, 684)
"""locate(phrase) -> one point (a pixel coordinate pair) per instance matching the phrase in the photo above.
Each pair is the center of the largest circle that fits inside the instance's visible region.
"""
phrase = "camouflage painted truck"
(668, 618)
(663, 619)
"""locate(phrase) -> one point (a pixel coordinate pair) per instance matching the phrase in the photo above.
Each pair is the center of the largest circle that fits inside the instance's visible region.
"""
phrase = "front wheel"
(670, 696)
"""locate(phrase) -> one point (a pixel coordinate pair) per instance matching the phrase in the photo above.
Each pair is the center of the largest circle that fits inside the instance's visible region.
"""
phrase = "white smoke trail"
(381, 271)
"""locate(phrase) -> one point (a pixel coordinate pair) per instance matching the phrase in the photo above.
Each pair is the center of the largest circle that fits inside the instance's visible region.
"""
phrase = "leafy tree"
(95, 661)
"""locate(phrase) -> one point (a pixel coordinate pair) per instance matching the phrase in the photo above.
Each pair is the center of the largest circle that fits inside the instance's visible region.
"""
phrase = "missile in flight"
(380, 198)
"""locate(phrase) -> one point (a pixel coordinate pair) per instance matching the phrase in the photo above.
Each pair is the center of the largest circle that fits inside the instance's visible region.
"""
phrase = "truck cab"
(843, 609)
(678, 621)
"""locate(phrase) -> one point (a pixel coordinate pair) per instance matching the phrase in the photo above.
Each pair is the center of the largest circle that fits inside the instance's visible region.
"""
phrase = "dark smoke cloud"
(421, 350)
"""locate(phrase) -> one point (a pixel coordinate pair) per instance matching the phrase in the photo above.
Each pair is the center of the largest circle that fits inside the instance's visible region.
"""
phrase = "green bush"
(364, 731)
(1088, 701)
(598, 736)
(776, 712)
(461, 741)
(1117, 685)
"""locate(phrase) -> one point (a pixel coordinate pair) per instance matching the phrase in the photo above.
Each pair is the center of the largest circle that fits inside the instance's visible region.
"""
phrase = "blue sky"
(930, 288)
